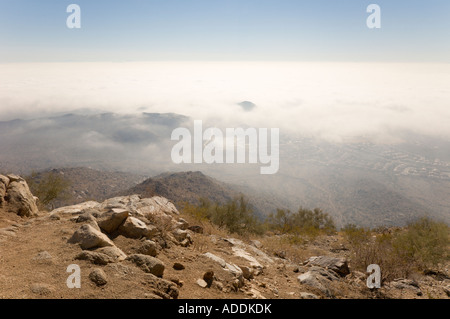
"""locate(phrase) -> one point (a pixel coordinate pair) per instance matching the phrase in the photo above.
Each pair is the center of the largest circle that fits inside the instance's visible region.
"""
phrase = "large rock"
(229, 267)
(76, 209)
(157, 204)
(261, 256)
(157, 211)
(254, 263)
(135, 228)
(89, 237)
(318, 278)
(19, 197)
(148, 264)
(406, 284)
(124, 202)
(338, 265)
(4, 182)
(112, 220)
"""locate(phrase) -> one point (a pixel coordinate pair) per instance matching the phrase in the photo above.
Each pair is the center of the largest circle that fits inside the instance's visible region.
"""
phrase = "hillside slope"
(90, 184)
(191, 186)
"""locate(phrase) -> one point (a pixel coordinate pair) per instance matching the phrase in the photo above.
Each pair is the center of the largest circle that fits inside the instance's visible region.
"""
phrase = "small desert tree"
(303, 222)
(425, 242)
(422, 244)
(236, 215)
(48, 187)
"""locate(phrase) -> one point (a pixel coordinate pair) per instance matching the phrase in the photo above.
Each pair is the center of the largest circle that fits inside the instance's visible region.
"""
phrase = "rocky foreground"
(133, 247)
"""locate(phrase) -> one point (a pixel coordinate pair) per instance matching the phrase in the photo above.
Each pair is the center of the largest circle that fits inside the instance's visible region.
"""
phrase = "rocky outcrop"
(16, 197)
(130, 217)
(112, 220)
(337, 264)
(319, 278)
(77, 209)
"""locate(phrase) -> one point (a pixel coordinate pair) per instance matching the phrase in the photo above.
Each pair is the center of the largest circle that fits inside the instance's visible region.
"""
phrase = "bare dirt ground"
(34, 256)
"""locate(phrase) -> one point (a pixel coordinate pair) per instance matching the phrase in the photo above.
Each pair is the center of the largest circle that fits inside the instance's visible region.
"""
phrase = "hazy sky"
(141, 30)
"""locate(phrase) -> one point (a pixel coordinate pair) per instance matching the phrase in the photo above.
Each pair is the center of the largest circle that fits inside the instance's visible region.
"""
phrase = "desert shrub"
(292, 246)
(199, 212)
(424, 242)
(48, 187)
(356, 236)
(399, 253)
(236, 215)
(303, 222)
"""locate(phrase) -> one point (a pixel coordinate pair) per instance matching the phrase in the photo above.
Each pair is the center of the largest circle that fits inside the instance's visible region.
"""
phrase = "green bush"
(304, 222)
(48, 187)
(356, 236)
(424, 242)
(236, 215)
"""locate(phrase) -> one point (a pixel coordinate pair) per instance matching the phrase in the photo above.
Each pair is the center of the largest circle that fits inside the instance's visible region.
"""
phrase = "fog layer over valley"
(359, 182)
(367, 143)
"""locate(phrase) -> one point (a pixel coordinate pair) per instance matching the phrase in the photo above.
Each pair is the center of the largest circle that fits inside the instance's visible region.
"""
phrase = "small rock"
(98, 277)
(247, 272)
(102, 256)
(54, 216)
(338, 265)
(178, 266)
(43, 255)
(95, 258)
(218, 285)
(202, 283)
(148, 264)
(208, 277)
(180, 234)
(148, 247)
(185, 243)
(256, 243)
(307, 295)
(280, 254)
(447, 290)
(85, 217)
(177, 281)
(112, 251)
(182, 224)
(41, 289)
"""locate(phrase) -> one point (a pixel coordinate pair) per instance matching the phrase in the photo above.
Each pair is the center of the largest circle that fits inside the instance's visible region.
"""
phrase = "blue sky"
(230, 30)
